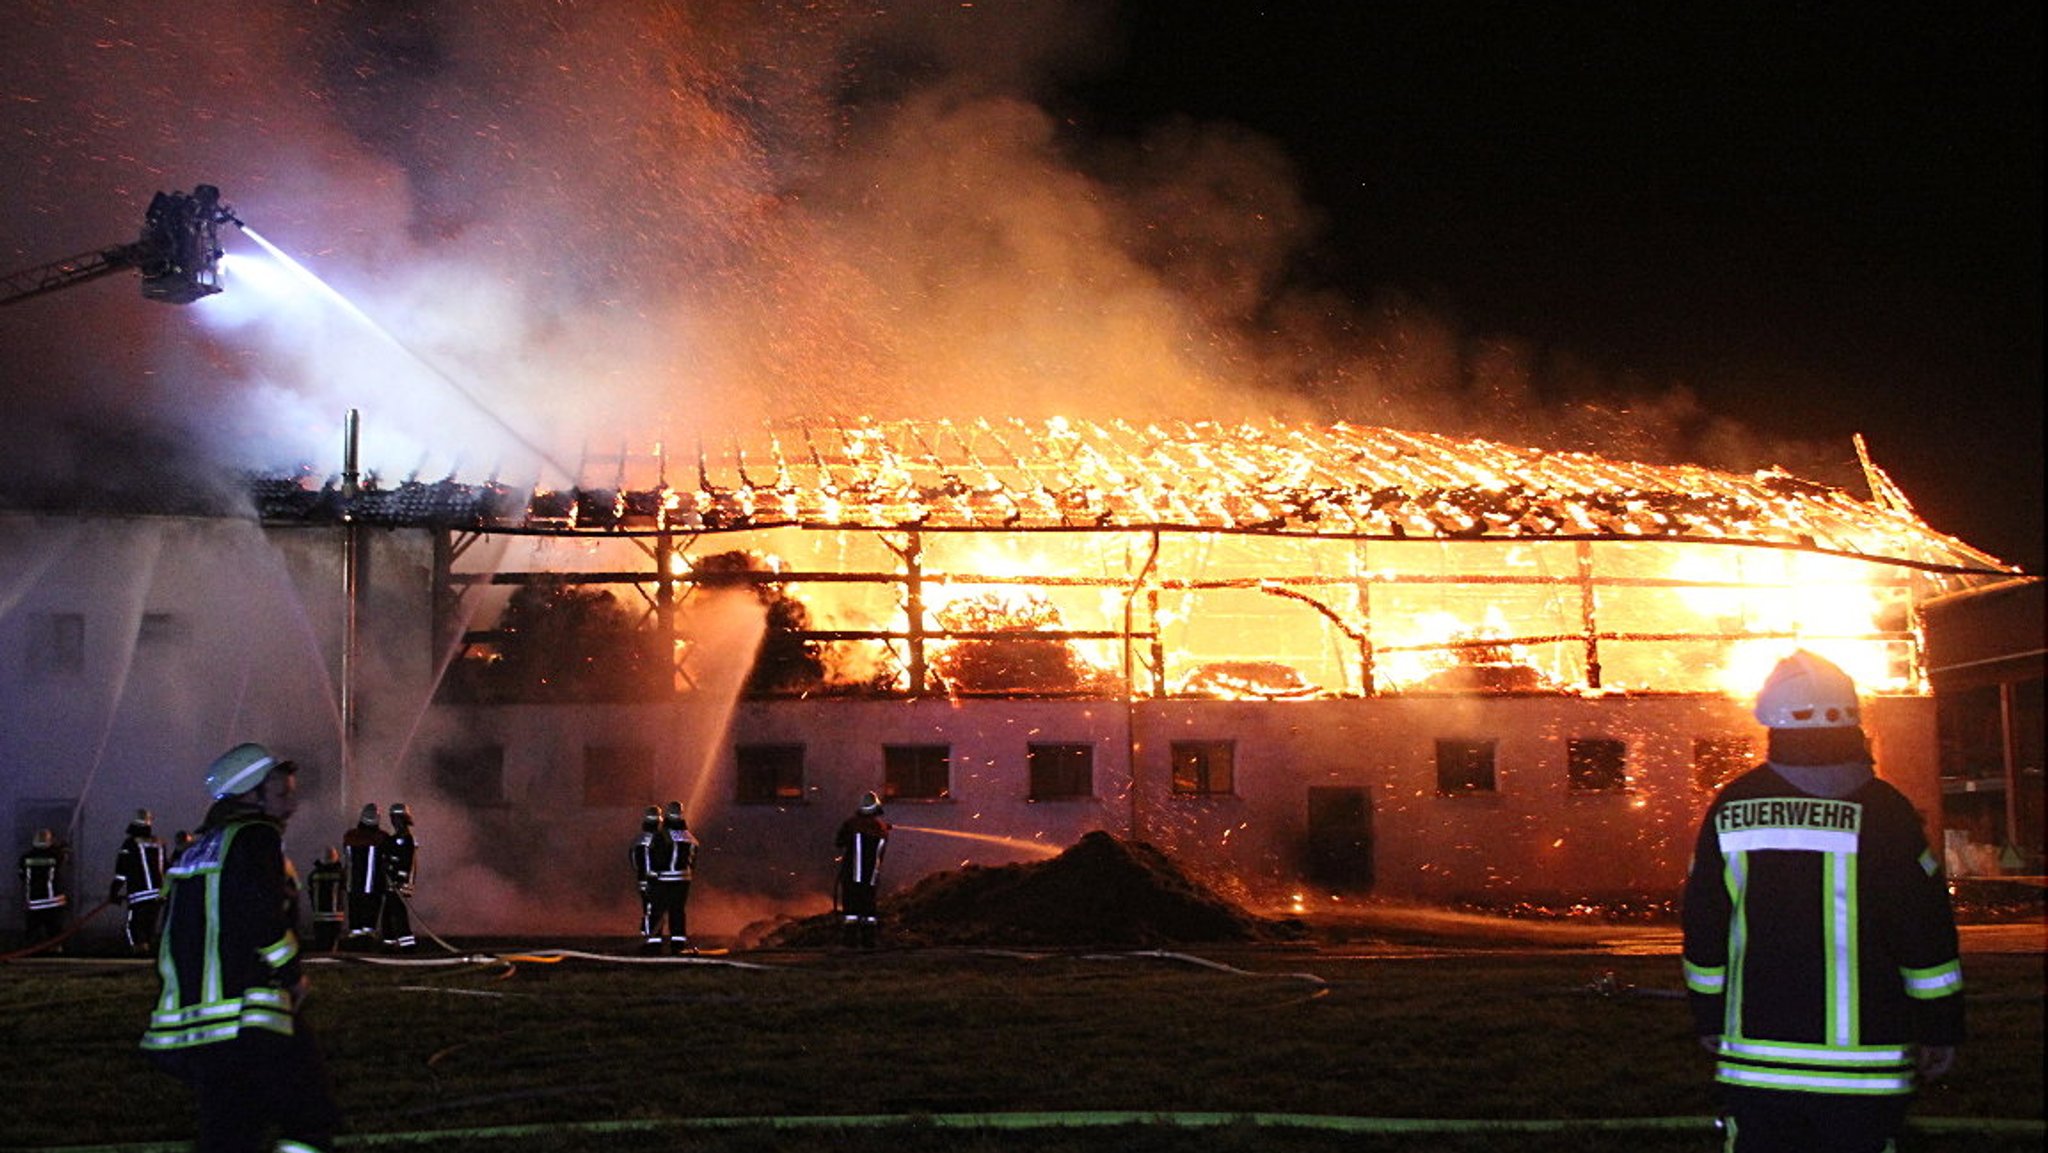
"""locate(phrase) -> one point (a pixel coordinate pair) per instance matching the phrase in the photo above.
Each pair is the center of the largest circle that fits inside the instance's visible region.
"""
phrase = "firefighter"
(227, 1020)
(640, 853)
(671, 864)
(138, 881)
(401, 867)
(365, 850)
(861, 840)
(327, 890)
(1820, 946)
(45, 901)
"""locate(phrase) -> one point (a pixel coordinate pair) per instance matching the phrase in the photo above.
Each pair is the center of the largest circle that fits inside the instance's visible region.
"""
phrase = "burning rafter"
(1338, 480)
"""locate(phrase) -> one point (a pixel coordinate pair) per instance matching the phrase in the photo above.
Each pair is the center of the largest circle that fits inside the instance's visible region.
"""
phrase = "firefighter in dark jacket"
(861, 840)
(366, 851)
(401, 867)
(640, 853)
(327, 891)
(672, 864)
(45, 902)
(227, 1021)
(1820, 946)
(139, 880)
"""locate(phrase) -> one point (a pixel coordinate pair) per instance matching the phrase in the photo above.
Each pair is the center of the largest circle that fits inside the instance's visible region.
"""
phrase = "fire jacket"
(138, 871)
(672, 855)
(642, 856)
(228, 958)
(1819, 940)
(861, 841)
(367, 850)
(401, 862)
(327, 889)
(41, 885)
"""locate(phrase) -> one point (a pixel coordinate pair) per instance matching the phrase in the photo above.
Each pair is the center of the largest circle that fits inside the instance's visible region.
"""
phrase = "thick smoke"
(586, 228)
(580, 229)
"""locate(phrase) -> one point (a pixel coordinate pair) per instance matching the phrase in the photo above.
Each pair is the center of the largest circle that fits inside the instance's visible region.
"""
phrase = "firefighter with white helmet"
(672, 865)
(401, 866)
(45, 899)
(138, 881)
(366, 852)
(1820, 949)
(861, 840)
(227, 1021)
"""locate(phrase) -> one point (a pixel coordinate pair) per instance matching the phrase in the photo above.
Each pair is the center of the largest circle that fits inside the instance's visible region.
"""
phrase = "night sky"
(1822, 219)
(1734, 235)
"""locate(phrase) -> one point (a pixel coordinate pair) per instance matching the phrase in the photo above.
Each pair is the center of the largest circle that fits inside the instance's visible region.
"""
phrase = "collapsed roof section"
(1339, 481)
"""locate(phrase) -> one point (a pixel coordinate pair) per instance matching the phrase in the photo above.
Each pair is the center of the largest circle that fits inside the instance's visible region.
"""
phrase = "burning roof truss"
(1341, 481)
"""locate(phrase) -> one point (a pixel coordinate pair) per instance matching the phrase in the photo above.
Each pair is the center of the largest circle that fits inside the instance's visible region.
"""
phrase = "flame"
(1424, 560)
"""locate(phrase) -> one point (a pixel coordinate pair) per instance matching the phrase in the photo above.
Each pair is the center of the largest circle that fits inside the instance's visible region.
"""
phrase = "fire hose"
(52, 942)
(518, 1136)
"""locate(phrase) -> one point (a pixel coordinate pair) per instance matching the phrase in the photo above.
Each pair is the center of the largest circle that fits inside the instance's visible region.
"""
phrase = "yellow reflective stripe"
(1795, 1052)
(1938, 981)
(281, 950)
(1866, 1084)
(1707, 979)
(1929, 863)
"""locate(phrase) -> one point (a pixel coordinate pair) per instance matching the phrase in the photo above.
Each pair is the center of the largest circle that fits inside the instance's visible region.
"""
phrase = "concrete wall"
(199, 633)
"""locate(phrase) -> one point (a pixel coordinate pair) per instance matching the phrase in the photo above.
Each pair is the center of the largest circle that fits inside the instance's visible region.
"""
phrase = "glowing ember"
(1263, 561)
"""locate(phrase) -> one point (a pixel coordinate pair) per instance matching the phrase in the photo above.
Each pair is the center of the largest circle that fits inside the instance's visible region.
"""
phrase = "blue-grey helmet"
(239, 769)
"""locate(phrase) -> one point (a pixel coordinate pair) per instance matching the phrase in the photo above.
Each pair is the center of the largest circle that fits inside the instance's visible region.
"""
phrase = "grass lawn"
(575, 1054)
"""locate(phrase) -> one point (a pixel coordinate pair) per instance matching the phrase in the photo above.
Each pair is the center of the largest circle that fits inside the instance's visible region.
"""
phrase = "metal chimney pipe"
(351, 451)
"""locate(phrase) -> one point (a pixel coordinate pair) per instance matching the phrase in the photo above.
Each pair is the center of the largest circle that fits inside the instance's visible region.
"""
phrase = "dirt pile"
(1101, 893)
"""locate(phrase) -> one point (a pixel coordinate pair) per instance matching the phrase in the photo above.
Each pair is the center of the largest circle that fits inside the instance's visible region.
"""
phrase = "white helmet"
(238, 770)
(1808, 692)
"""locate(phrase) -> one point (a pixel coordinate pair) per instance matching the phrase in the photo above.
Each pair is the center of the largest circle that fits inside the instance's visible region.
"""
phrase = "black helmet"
(674, 817)
(369, 818)
(401, 817)
(141, 825)
(651, 819)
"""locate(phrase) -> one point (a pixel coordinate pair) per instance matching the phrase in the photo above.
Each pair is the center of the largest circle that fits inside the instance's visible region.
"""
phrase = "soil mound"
(1101, 893)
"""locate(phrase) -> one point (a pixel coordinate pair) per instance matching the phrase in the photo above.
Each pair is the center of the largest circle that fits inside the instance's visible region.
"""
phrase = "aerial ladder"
(178, 254)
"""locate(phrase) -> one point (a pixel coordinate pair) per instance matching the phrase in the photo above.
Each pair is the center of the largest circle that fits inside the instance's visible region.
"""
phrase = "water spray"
(332, 295)
(1037, 848)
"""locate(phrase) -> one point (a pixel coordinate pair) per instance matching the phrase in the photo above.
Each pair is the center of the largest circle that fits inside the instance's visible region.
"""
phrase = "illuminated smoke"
(592, 227)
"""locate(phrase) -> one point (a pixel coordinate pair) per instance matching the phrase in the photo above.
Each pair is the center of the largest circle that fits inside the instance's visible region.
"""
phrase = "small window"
(56, 646)
(1596, 764)
(1061, 772)
(917, 772)
(473, 776)
(163, 629)
(616, 776)
(1718, 760)
(1204, 768)
(1464, 768)
(769, 774)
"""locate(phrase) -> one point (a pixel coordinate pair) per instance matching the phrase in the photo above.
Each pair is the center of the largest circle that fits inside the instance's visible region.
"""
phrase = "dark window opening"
(769, 774)
(162, 628)
(1596, 764)
(616, 776)
(1204, 768)
(471, 776)
(56, 647)
(1061, 772)
(1464, 768)
(917, 772)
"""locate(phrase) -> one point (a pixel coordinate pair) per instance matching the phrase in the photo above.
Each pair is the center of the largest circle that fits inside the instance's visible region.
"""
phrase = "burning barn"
(1309, 662)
